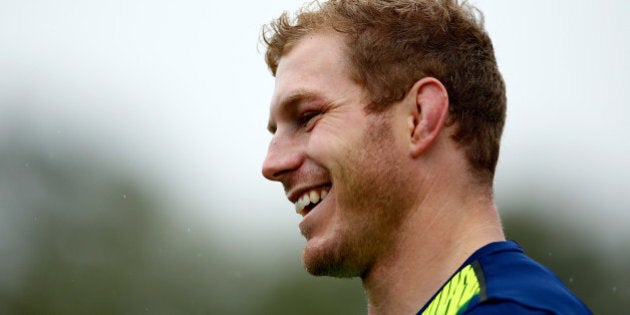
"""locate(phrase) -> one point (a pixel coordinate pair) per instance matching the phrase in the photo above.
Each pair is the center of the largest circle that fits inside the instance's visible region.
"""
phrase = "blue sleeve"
(502, 308)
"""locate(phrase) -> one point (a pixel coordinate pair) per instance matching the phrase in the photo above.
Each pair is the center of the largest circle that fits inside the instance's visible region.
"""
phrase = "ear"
(428, 117)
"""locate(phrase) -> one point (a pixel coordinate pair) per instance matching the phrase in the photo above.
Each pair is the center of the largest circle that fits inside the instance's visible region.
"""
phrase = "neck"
(435, 240)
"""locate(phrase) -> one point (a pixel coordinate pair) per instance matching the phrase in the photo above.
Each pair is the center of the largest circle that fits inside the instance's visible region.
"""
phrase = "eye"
(308, 118)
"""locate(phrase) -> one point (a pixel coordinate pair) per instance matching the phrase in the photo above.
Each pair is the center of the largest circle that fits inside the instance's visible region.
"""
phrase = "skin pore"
(402, 208)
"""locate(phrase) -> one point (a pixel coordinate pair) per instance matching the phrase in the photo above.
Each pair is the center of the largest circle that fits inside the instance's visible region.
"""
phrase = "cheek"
(329, 146)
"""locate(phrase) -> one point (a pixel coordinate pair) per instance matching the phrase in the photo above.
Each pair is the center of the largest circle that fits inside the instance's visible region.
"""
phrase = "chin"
(332, 258)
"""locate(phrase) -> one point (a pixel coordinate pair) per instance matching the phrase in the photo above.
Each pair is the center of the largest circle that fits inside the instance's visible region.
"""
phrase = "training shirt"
(500, 279)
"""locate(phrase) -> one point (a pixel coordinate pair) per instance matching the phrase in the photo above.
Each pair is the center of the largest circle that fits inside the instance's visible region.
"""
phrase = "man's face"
(340, 165)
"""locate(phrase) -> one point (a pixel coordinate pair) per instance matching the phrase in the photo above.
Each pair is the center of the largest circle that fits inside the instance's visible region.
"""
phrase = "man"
(386, 120)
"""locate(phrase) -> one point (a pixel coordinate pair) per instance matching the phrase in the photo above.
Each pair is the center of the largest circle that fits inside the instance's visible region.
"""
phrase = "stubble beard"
(371, 204)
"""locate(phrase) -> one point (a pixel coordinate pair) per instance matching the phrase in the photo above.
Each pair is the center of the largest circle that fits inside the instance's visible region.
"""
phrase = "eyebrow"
(290, 103)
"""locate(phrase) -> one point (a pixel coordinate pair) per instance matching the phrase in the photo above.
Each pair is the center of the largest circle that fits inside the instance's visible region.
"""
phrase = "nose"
(283, 157)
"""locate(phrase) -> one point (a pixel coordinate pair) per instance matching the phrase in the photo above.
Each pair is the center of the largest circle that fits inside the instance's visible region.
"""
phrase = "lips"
(310, 198)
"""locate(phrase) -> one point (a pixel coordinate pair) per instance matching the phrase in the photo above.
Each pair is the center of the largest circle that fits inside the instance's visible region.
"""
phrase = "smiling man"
(386, 122)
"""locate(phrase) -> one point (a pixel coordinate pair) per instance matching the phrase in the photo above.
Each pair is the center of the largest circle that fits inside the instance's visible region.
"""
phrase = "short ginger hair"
(391, 44)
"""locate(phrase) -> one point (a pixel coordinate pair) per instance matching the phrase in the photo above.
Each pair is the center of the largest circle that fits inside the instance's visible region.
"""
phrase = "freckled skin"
(356, 151)
(370, 209)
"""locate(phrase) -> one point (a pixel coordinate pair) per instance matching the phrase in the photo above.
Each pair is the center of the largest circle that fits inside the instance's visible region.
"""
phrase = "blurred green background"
(79, 236)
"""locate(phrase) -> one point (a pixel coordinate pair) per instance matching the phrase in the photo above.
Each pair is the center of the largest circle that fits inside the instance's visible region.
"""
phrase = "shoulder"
(502, 308)
(514, 282)
(510, 307)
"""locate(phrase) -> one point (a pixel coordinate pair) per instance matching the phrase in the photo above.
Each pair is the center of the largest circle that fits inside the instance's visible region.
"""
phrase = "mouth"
(310, 199)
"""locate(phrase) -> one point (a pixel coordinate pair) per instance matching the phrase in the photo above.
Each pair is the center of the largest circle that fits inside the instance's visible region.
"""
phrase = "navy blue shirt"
(501, 279)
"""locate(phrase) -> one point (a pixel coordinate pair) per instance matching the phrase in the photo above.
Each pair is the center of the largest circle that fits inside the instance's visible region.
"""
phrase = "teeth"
(304, 201)
(310, 197)
(314, 197)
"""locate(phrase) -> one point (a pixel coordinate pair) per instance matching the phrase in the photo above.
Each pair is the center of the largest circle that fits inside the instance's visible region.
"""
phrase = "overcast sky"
(179, 90)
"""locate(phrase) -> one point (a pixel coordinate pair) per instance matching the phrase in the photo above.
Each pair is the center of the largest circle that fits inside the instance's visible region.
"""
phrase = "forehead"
(318, 51)
(315, 66)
